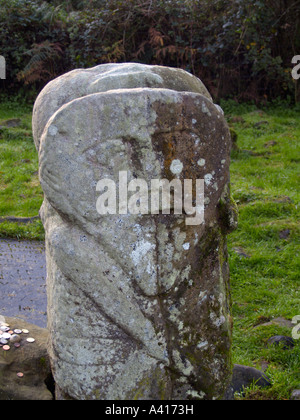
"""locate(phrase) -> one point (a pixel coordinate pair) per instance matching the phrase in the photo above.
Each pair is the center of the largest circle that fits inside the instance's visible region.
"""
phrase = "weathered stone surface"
(243, 377)
(31, 359)
(138, 305)
(286, 342)
(14, 122)
(280, 321)
(82, 82)
(295, 395)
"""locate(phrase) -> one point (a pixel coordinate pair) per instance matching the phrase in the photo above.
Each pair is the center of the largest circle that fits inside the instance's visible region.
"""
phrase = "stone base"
(30, 359)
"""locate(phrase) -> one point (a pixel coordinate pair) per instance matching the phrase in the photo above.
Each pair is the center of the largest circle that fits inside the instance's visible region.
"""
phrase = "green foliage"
(25, 28)
(20, 191)
(264, 262)
(239, 48)
(32, 231)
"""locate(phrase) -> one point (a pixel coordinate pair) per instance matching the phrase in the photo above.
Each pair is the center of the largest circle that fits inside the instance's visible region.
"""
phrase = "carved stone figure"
(138, 304)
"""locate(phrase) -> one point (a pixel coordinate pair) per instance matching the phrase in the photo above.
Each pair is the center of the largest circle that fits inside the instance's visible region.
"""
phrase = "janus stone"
(138, 304)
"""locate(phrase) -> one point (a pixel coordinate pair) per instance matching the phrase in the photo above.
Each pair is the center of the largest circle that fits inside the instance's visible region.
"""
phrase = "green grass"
(264, 262)
(20, 191)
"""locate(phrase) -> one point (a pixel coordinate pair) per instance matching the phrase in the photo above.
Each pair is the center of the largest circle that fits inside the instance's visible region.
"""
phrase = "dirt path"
(23, 280)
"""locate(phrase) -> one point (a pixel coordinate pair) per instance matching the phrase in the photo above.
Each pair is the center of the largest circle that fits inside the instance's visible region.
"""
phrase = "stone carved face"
(144, 281)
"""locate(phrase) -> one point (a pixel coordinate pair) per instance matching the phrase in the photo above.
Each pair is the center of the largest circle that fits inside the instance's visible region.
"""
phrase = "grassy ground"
(264, 251)
(20, 191)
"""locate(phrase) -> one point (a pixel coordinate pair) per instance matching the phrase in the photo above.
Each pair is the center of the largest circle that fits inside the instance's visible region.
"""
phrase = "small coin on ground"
(15, 338)
(25, 331)
(4, 328)
(20, 374)
(30, 340)
(6, 348)
(17, 331)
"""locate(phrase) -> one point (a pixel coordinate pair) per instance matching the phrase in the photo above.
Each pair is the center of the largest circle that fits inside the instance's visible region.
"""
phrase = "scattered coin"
(17, 331)
(17, 345)
(20, 374)
(6, 348)
(24, 331)
(4, 328)
(15, 338)
(3, 341)
(30, 340)
(6, 336)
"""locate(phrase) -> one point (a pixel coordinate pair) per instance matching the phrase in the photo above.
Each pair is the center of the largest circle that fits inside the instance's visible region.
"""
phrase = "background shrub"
(239, 48)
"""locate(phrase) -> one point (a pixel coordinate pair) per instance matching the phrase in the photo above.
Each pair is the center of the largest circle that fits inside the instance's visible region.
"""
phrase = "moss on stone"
(228, 211)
